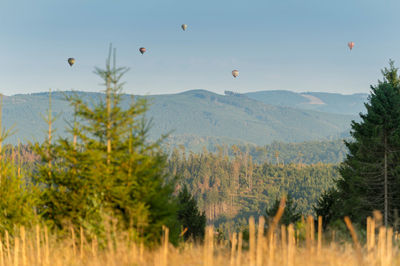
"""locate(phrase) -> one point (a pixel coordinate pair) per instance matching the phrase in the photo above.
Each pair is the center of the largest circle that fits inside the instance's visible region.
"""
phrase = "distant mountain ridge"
(320, 101)
(197, 115)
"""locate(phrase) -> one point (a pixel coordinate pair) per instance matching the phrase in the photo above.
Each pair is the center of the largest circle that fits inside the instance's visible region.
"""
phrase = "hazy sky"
(298, 45)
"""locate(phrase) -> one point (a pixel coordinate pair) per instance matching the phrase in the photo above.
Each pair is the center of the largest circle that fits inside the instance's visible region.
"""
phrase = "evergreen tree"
(325, 207)
(190, 217)
(17, 194)
(371, 172)
(108, 168)
(290, 214)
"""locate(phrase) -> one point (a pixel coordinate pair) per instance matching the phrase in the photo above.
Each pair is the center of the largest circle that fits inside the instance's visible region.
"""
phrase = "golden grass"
(278, 246)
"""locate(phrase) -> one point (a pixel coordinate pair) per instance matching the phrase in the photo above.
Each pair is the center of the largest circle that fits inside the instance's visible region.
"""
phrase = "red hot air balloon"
(235, 73)
(350, 45)
(142, 50)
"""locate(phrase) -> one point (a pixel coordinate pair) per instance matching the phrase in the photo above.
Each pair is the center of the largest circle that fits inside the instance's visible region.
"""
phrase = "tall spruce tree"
(107, 168)
(371, 172)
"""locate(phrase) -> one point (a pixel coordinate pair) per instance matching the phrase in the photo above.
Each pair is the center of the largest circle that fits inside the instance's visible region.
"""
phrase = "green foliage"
(325, 206)
(290, 214)
(107, 170)
(309, 152)
(18, 198)
(376, 137)
(234, 188)
(190, 217)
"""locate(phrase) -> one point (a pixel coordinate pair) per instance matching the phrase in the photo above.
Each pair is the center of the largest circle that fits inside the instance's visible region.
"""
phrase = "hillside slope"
(192, 114)
(318, 101)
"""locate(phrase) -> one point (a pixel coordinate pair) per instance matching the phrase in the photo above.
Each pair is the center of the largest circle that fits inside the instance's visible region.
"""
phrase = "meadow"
(278, 245)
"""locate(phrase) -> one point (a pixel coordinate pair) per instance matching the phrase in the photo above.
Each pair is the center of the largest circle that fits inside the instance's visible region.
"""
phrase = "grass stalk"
(233, 249)
(260, 241)
(1, 253)
(240, 244)
(252, 241)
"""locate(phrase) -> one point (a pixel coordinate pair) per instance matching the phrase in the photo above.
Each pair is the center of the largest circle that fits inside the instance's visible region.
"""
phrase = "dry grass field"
(276, 246)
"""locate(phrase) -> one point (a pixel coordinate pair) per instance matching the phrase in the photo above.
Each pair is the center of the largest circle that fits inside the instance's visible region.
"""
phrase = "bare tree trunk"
(75, 134)
(49, 118)
(108, 103)
(386, 184)
(277, 157)
(49, 140)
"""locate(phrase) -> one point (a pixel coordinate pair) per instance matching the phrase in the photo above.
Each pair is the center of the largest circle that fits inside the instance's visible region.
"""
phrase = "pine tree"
(371, 172)
(325, 206)
(108, 168)
(190, 217)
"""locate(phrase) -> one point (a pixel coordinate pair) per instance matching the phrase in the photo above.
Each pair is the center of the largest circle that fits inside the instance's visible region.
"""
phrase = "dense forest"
(231, 189)
(309, 152)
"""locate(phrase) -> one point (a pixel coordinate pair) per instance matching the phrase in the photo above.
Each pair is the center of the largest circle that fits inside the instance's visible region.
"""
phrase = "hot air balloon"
(235, 73)
(142, 50)
(71, 61)
(184, 27)
(350, 45)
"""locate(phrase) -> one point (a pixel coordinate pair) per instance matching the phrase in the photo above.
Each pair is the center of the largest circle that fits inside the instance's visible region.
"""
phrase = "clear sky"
(298, 45)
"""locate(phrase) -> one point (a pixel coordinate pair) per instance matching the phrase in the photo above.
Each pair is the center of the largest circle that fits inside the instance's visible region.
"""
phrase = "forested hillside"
(310, 152)
(198, 115)
(229, 190)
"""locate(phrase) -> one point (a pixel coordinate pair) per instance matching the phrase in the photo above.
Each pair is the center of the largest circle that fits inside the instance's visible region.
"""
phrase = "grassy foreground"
(279, 245)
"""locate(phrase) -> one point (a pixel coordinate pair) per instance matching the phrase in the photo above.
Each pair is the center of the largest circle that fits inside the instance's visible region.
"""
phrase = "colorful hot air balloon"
(235, 73)
(71, 61)
(142, 50)
(350, 45)
(184, 27)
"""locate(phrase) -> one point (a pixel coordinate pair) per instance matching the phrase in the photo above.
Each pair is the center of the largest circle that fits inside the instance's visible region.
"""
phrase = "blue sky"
(298, 45)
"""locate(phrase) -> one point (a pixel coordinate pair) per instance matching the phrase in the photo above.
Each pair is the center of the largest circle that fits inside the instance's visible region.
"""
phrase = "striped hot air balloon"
(235, 73)
(184, 27)
(71, 61)
(350, 45)
(142, 50)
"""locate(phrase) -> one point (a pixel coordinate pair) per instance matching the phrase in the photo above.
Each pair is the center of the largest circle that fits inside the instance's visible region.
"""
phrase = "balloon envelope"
(184, 27)
(142, 50)
(71, 61)
(235, 73)
(350, 45)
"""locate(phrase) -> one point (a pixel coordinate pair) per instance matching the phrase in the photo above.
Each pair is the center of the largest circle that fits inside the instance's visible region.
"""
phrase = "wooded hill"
(320, 101)
(230, 190)
(194, 118)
